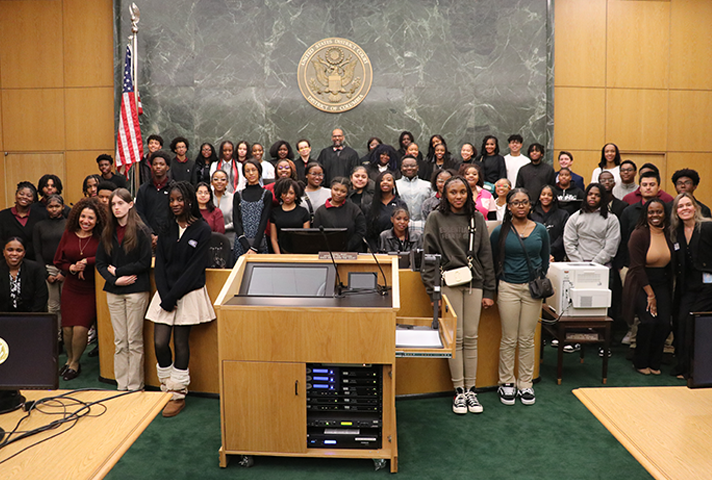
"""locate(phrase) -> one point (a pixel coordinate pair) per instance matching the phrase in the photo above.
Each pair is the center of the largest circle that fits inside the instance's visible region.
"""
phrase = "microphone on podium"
(339, 285)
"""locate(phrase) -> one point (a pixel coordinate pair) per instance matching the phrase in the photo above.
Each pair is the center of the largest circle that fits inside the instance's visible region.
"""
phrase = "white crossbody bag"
(462, 275)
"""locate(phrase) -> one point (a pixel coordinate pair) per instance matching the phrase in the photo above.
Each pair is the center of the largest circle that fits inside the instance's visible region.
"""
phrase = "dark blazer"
(136, 262)
(33, 289)
(180, 264)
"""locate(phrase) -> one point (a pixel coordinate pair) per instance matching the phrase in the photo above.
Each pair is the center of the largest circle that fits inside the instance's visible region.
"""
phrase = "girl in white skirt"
(182, 254)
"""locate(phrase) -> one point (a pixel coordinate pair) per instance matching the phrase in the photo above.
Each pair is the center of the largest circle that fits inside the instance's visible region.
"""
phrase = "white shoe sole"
(506, 401)
(476, 409)
(527, 402)
(459, 410)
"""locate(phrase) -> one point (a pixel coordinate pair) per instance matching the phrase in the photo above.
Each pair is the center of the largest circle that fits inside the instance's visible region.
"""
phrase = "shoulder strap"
(532, 275)
(310, 208)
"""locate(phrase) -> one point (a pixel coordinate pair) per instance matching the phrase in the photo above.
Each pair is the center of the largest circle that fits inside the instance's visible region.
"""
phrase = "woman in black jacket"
(22, 282)
(182, 254)
(124, 260)
(691, 235)
(547, 212)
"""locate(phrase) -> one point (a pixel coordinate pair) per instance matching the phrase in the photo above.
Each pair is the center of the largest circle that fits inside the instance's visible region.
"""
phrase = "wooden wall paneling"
(33, 119)
(580, 43)
(638, 39)
(689, 120)
(691, 44)
(89, 117)
(31, 43)
(702, 162)
(29, 166)
(88, 43)
(79, 165)
(637, 118)
(579, 115)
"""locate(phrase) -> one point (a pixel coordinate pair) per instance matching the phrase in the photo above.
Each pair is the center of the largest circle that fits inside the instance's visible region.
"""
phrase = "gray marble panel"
(219, 69)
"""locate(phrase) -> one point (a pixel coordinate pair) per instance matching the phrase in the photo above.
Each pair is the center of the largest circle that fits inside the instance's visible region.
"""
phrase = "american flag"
(129, 146)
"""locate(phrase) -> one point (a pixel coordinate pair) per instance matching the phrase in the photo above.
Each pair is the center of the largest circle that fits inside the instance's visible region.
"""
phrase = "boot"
(177, 384)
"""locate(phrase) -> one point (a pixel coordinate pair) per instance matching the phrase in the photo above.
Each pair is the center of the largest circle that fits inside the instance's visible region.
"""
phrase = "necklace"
(81, 248)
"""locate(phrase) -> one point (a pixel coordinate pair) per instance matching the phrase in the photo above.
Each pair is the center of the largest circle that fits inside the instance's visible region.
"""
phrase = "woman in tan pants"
(518, 311)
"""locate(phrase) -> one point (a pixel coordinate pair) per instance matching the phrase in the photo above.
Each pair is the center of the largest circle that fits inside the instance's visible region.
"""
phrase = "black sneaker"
(527, 396)
(459, 403)
(507, 393)
(600, 352)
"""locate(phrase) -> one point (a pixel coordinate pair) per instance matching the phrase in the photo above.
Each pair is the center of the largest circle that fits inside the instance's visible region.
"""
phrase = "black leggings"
(162, 340)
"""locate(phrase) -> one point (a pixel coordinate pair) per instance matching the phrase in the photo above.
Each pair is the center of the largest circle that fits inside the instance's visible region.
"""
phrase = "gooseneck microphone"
(381, 290)
(339, 285)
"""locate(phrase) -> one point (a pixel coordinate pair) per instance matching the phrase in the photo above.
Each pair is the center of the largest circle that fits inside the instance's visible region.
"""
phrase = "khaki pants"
(519, 314)
(127, 315)
(54, 301)
(467, 303)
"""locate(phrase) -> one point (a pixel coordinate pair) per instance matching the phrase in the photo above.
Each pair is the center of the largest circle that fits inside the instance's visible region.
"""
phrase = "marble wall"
(219, 69)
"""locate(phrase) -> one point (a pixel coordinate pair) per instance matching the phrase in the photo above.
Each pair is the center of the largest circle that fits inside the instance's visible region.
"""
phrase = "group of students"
(50, 257)
(390, 200)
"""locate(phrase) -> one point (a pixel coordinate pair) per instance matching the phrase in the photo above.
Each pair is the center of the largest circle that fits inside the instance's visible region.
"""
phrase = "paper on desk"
(418, 338)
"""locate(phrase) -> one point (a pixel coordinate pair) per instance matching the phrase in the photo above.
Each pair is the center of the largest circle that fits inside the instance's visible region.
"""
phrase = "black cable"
(68, 417)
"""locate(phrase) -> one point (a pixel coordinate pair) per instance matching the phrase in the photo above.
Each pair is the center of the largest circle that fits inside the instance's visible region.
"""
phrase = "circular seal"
(334, 75)
(4, 350)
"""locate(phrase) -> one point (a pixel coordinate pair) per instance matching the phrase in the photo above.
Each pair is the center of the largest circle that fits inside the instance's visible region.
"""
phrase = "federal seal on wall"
(335, 75)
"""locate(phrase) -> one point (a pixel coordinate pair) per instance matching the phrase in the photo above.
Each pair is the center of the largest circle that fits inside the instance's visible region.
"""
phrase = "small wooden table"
(570, 330)
(88, 450)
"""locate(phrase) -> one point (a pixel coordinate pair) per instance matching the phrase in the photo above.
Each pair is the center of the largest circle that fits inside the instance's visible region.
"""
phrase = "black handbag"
(540, 287)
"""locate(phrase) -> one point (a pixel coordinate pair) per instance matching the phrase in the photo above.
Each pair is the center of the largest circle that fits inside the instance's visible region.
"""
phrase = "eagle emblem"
(334, 75)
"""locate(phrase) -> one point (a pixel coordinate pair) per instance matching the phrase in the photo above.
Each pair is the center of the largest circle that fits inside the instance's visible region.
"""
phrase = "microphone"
(339, 285)
(384, 290)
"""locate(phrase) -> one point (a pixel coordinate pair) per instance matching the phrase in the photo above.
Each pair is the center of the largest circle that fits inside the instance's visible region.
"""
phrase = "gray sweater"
(448, 235)
(588, 237)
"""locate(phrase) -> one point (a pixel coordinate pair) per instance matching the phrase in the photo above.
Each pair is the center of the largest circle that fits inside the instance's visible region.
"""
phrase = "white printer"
(580, 289)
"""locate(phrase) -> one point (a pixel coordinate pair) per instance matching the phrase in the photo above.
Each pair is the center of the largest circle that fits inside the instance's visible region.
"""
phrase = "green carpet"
(555, 438)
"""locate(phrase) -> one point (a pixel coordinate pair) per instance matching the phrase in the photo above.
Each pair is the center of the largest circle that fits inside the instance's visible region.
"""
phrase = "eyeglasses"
(519, 203)
(627, 170)
(682, 183)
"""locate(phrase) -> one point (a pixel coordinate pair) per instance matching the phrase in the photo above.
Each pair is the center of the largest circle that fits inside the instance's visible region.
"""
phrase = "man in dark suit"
(338, 159)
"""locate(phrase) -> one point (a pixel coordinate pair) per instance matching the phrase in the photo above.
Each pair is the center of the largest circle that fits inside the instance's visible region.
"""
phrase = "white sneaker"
(459, 403)
(576, 347)
(473, 405)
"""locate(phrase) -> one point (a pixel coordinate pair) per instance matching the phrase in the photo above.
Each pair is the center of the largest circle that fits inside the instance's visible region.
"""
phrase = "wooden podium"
(264, 347)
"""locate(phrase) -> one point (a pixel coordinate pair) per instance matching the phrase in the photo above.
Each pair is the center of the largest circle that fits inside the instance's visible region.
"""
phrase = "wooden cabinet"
(264, 406)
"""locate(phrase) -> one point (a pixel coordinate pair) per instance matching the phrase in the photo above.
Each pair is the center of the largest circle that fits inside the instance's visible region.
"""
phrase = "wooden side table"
(570, 330)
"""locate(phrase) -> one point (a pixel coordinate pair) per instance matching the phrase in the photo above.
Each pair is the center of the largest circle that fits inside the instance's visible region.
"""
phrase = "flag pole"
(135, 17)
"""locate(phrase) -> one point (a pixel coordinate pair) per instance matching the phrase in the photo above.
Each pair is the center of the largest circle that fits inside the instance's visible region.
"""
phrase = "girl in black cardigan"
(124, 260)
(182, 254)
